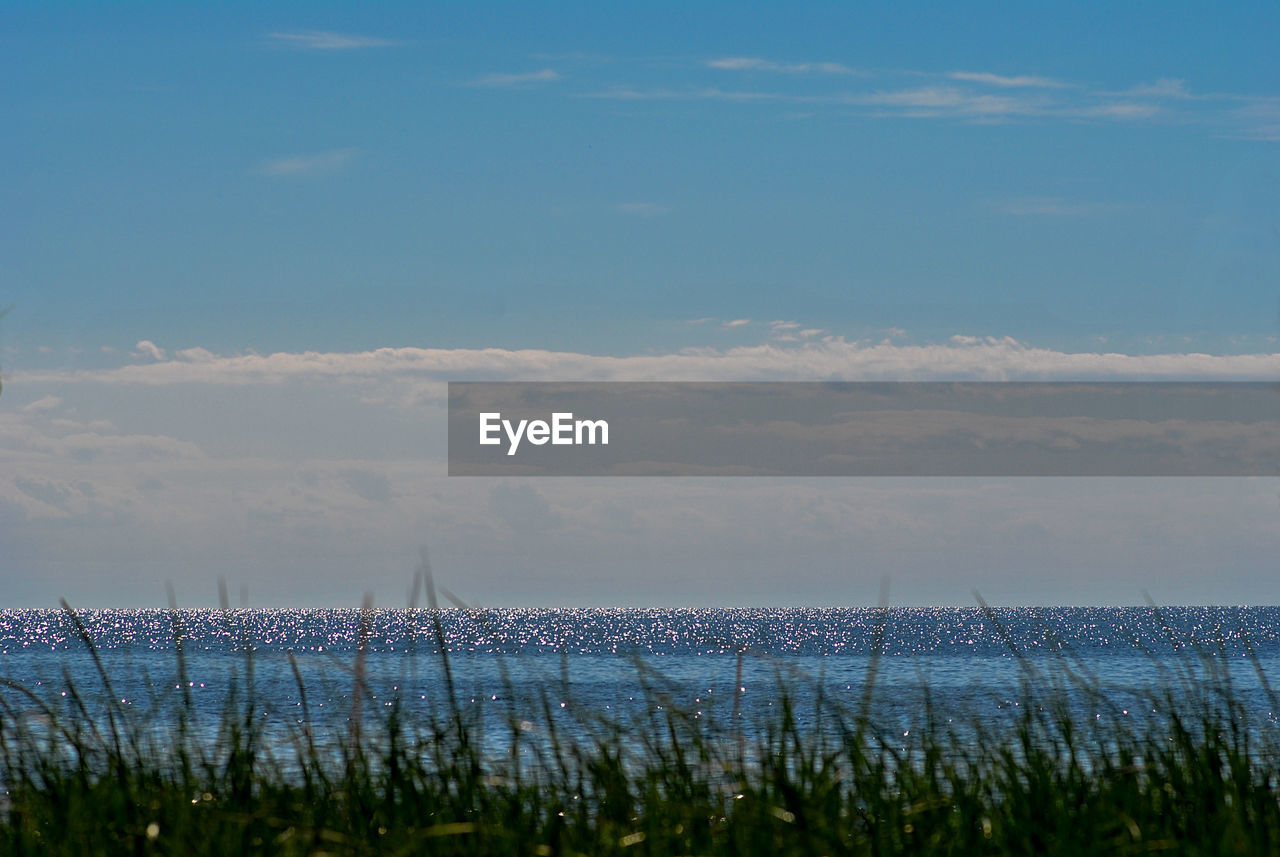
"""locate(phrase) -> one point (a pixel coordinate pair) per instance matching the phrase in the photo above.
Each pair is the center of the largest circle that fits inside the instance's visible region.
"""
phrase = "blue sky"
(346, 178)
(196, 197)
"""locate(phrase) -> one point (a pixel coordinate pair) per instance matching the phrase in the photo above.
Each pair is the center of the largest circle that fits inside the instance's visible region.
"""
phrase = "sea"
(908, 667)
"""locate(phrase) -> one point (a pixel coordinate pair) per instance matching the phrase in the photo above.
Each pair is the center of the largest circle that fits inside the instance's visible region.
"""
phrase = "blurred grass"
(1196, 776)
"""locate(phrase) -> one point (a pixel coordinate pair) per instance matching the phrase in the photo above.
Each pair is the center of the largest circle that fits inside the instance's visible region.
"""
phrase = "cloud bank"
(313, 476)
(831, 358)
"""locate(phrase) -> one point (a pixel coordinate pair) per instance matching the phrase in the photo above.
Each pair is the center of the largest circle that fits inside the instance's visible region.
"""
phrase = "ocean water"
(959, 663)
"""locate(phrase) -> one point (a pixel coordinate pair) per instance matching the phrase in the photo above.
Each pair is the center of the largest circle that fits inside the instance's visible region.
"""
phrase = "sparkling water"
(300, 665)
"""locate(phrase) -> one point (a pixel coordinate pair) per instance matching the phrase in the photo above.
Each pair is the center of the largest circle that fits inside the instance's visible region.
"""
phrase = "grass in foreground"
(1197, 777)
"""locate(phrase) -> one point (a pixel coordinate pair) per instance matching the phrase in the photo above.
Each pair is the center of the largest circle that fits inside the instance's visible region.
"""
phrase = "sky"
(243, 248)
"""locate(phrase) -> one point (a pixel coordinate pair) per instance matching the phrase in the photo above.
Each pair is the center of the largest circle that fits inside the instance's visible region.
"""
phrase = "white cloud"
(738, 322)
(974, 97)
(1015, 81)
(935, 100)
(320, 40)
(1122, 110)
(830, 358)
(196, 355)
(623, 93)
(307, 165)
(1259, 119)
(48, 403)
(545, 75)
(758, 64)
(1165, 87)
(711, 93)
(147, 348)
(918, 102)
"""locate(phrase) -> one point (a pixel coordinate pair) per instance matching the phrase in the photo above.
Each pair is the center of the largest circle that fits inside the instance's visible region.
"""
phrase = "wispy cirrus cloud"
(324, 40)
(1259, 119)
(759, 64)
(927, 101)
(1165, 87)
(963, 95)
(318, 163)
(950, 100)
(1119, 110)
(1011, 81)
(709, 93)
(942, 101)
(545, 75)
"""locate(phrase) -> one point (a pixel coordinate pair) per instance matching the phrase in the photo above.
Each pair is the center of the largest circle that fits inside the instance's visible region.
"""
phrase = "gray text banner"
(864, 429)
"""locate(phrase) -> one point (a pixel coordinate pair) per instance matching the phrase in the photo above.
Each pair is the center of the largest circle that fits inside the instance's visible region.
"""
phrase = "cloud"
(319, 163)
(95, 442)
(198, 355)
(368, 485)
(288, 470)
(972, 97)
(941, 100)
(784, 331)
(1165, 87)
(545, 75)
(523, 509)
(1123, 110)
(387, 373)
(1005, 81)
(321, 40)
(48, 403)
(1259, 119)
(146, 347)
(921, 102)
(738, 322)
(758, 64)
(642, 209)
(705, 94)
(948, 99)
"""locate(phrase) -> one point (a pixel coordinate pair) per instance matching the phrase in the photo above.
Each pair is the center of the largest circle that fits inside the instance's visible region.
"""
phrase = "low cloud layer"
(311, 477)
(831, 358)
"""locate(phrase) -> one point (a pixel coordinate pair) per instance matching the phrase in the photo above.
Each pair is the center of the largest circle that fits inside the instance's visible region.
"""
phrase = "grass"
(1198, 776)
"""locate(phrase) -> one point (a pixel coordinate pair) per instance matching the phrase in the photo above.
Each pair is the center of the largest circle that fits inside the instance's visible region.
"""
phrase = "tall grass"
(1196, 776)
